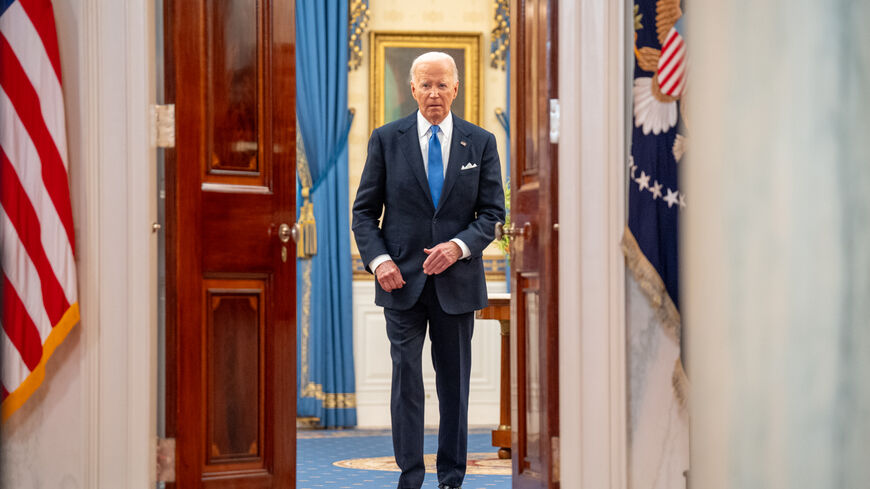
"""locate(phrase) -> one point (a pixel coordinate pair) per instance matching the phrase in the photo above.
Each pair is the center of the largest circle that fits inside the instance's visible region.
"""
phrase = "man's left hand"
(441, 257)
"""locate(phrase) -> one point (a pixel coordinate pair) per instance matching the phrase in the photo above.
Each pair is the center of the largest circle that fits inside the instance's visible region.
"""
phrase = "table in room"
(500, 309)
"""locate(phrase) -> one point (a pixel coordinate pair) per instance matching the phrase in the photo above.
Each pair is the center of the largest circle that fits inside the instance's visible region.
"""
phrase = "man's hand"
(389, 276)
(441, 257)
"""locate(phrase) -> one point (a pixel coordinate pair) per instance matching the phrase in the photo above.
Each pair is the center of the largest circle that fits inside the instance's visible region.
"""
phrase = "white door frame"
(117, 250)
(592, 74)
(118, 260)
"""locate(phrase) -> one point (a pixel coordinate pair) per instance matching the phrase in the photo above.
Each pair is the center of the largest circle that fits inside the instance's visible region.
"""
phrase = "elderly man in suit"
(436, 179)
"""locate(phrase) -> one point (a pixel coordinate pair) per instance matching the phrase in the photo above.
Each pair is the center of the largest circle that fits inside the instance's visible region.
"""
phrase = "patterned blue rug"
(363, 459)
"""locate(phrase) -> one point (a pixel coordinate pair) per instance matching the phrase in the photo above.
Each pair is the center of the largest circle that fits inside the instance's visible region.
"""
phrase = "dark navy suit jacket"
(394, 182)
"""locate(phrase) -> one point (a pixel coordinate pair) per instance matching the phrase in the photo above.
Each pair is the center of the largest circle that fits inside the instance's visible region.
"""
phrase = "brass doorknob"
(511, 232)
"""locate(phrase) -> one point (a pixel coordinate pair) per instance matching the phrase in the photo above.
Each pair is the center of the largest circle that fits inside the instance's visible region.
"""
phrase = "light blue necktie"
(436, 167)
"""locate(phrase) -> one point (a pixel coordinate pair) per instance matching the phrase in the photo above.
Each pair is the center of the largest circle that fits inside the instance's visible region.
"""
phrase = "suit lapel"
(414, 156)
(458, 157)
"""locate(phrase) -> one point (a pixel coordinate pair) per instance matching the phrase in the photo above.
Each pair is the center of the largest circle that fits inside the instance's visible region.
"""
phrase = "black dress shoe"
(445, 486)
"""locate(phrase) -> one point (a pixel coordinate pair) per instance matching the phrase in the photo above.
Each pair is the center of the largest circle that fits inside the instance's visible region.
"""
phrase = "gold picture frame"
(390, 61)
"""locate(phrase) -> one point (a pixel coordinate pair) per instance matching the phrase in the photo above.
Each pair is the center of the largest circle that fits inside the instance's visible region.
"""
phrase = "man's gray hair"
(434, 56)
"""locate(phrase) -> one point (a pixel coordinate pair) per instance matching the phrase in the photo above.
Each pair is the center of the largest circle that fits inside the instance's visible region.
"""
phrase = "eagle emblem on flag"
(671, 71)
(663, 55)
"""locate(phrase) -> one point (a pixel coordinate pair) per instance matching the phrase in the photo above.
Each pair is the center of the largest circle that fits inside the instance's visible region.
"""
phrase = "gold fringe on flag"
(663, 306)
(681, 383)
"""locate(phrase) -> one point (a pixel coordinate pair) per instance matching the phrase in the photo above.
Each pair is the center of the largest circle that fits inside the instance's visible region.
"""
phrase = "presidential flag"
(658, 415)
(39, 298)
(655, 200)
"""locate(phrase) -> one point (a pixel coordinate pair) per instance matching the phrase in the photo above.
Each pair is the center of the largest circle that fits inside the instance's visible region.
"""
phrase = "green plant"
(504, 243)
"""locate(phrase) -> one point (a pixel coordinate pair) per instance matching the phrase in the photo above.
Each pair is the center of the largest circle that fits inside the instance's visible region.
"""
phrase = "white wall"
(44, 444)
(91, 424)
(777, 244)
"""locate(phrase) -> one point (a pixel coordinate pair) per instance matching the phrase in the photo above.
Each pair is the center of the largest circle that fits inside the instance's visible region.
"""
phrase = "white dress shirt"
(445, 137)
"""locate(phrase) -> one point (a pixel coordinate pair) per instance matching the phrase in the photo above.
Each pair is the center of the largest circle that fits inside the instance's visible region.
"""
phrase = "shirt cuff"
(373, 265)
(462, 246)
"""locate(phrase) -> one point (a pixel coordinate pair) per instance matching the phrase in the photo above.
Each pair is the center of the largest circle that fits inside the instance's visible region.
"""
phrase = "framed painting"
(390, 62)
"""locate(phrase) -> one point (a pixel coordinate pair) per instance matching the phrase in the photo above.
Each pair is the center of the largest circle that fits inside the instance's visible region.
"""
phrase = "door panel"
(234, 93)
(534, 271)
(235, 327)
(231, 288)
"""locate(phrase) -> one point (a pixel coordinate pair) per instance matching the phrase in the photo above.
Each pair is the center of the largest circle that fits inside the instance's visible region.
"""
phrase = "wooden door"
(534, 270)
(231, 288)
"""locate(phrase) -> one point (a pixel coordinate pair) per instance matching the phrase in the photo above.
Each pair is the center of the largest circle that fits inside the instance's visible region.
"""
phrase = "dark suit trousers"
(451, 356)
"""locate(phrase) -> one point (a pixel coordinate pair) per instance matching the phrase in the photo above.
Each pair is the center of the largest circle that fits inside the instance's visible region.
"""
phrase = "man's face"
(434, 89)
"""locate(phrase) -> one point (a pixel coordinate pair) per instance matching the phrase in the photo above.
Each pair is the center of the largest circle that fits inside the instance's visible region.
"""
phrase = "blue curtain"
(325, 359)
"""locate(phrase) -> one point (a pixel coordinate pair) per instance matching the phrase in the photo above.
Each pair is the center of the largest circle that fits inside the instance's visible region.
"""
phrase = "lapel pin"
(462, 143)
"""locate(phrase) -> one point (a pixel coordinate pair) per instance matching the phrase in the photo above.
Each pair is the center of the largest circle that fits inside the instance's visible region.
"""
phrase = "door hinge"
(163, 125)
(555, 120)
(555, 463)
(166, 460)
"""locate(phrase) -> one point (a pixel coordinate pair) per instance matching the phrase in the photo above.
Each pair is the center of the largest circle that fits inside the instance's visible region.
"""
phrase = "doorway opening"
(227, 276)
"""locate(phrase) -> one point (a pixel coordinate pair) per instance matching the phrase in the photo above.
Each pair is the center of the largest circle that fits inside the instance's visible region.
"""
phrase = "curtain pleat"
(326, 387)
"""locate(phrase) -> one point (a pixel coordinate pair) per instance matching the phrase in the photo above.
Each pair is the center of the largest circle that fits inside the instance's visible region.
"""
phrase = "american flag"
(39, 299)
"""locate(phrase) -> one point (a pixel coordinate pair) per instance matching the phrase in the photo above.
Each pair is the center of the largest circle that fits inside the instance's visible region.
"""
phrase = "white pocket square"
(468, 166)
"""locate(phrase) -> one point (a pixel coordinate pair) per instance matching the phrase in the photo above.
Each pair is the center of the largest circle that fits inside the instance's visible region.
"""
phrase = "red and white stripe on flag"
(39, 298)
(672, 65)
